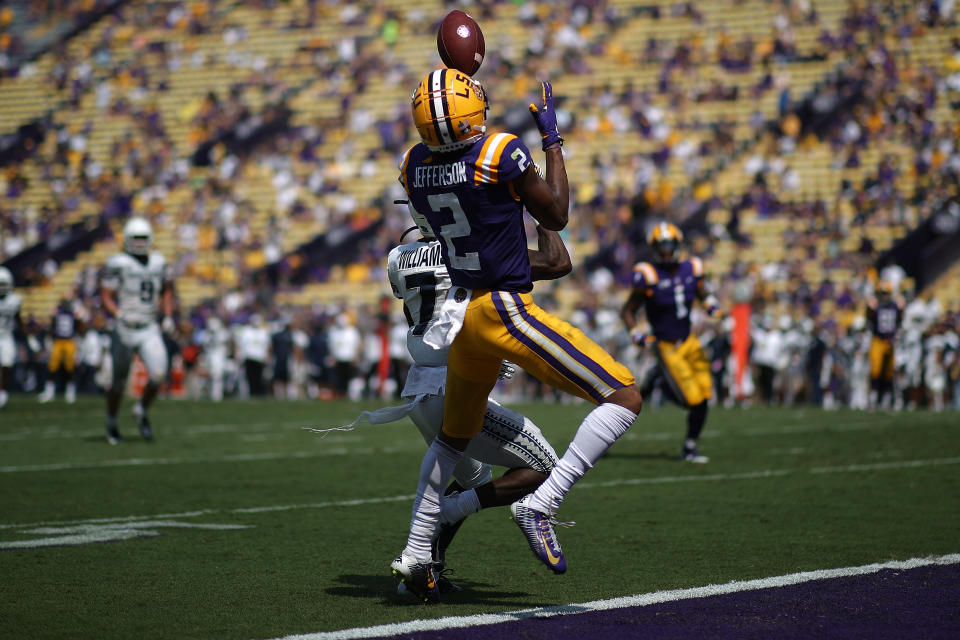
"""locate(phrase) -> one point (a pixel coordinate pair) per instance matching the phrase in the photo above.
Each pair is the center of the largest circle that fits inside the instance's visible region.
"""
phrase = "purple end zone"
(890, 604)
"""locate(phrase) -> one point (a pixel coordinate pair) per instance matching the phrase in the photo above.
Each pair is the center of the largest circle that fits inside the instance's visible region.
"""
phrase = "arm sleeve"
(393, 273)
(112, 274)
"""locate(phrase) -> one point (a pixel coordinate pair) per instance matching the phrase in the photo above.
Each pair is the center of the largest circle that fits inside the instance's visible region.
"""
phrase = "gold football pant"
(62, 355)
(687, 370)
(881, 359)
(501, 326)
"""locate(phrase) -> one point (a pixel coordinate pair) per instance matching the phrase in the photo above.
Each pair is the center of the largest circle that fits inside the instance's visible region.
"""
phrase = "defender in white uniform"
(419, 277)
(136, 286)
(9, 320)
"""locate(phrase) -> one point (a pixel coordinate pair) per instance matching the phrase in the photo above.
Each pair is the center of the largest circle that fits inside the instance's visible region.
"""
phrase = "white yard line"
(640, 600)
(48, 432)
(239, 457)
(750, 475)
(266, 428)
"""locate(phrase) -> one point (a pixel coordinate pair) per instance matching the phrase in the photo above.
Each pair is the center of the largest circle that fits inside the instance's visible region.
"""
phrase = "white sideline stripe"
(640, 600)
(750, 475)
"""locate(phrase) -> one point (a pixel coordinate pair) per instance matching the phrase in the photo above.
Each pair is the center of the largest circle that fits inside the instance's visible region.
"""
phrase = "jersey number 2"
(459, 229)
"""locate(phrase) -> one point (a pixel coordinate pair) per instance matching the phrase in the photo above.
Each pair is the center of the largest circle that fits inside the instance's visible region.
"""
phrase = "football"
(460, 42)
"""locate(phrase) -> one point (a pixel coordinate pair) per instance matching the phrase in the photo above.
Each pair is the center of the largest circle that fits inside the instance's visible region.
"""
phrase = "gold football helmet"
(449, 110)
(665, 239)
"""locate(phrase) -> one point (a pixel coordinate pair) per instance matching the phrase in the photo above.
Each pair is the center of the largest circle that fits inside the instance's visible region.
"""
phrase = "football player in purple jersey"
(884, 315)
(666, 290)
(471, 188)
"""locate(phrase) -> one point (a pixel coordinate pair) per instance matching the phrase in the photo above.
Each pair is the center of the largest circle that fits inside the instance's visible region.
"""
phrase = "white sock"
(435, 472)
(596, 433)
(49, 389)
(3, 398)
(458, 507)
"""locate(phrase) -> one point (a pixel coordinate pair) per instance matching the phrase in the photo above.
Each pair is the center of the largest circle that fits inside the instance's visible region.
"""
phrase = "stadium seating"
(166, 60)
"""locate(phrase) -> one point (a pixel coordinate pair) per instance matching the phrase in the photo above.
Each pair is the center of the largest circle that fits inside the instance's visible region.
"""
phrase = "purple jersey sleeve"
(514, 160)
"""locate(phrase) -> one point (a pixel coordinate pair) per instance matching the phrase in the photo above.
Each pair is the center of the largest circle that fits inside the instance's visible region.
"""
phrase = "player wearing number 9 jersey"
(666, 289)
(135, 287)
(469, 188)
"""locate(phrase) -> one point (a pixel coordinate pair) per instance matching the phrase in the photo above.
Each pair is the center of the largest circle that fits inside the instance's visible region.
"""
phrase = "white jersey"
(9, 308)
(216, 341)
(138, 286)
(419, 277)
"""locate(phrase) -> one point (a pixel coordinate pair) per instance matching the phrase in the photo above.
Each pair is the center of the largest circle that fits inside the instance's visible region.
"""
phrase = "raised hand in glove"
(507, 370)
(546, 117)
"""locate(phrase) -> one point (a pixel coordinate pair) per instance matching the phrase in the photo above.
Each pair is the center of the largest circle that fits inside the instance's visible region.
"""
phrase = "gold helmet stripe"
(439, 108)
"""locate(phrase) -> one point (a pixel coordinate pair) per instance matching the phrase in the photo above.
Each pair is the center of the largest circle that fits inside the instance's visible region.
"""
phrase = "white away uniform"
(137, 286)
(9, 308)
(508, 439)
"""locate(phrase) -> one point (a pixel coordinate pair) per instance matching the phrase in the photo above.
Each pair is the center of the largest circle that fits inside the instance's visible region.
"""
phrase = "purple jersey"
(884, 319)
(467, 198)
(669, 296)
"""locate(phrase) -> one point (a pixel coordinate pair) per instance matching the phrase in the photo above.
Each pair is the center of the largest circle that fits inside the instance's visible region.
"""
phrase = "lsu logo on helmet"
(665, 239)
(449, 110)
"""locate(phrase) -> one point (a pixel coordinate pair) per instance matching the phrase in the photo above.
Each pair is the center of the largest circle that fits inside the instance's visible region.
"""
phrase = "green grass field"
(238, 523)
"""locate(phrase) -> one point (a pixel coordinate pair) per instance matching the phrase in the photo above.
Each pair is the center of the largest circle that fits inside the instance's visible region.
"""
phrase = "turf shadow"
(384, 589)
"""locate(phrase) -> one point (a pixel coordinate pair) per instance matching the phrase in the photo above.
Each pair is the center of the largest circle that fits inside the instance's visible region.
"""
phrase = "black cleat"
(143, 422)
(113, 436)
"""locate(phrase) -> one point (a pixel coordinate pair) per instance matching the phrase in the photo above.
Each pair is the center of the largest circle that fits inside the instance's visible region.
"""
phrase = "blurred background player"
(63, 354)
(136, 286)
(884, 314)
(666, 290)
(472, 187)
(253, 352)
(9, 322)
(216, 347)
